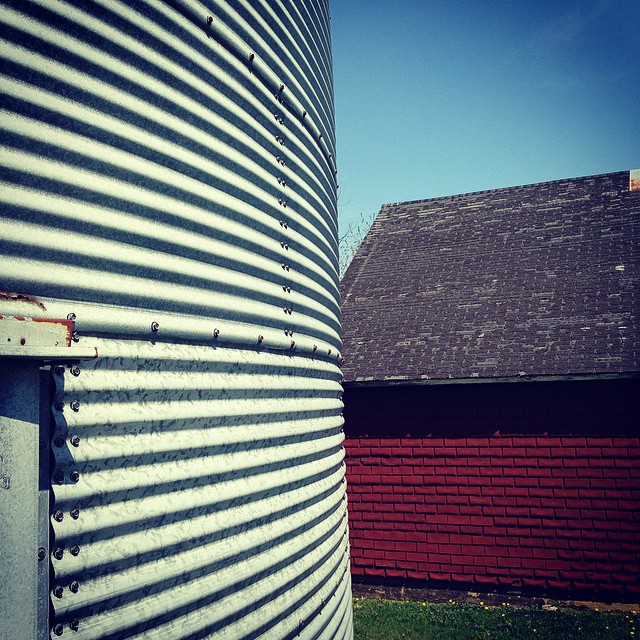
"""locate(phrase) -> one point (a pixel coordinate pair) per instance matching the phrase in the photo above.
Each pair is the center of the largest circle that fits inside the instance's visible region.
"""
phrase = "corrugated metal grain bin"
(170, 409)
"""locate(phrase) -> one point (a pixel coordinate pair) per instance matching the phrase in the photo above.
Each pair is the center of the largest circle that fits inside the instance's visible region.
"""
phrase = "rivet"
(75, 550)
(281, 88)
(71, 316)
(58, 629)
(328, 352)
(59, 370)
(75, 513)
(58, 553)
(75, 336)
(315, 347)
(42, 553)
(75, 370)
(74, 586)
(209, 19)
(58, 516)
(57, 592)
(154, 326)
(74, 625)
(252, 57)
(74, 476)
(260, 339)
(216, 333)
(75, 405)
(289, 310)
(58, 478)
(75, 440)
(23, 341)
(286, 332)
(293, 344)
(320, 137)
(304, 115)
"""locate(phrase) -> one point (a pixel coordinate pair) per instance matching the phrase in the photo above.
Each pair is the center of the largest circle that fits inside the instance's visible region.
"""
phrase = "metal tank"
(170, 409)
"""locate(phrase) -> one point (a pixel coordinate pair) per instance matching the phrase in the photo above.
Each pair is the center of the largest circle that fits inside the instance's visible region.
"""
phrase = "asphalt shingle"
(540, 279)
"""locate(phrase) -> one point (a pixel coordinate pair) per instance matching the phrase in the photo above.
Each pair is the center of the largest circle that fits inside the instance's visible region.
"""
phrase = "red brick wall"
(520, 486)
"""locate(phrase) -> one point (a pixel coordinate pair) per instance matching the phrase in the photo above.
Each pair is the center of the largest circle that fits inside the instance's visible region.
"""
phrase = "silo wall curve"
(168, 188)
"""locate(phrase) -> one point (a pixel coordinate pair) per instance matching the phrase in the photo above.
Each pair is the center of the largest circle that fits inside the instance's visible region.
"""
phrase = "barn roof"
(536, 280)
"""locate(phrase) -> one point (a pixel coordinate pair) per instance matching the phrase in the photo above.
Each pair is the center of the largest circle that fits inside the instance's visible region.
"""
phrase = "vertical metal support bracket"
(24, 608)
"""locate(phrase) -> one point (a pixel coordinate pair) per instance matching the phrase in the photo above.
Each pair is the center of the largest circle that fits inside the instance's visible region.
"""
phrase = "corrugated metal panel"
(168, 183)
(196, 490)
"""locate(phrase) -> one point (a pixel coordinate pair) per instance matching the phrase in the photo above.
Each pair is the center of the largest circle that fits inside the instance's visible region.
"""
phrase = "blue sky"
(439, 97)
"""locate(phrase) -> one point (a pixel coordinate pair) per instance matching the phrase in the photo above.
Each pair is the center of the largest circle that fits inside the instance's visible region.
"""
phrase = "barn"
(491, 376)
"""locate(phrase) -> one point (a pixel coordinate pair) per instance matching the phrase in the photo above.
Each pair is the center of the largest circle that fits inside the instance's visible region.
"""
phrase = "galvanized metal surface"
(23, 532)
(135, 181)
(168, 184)
(197, 490)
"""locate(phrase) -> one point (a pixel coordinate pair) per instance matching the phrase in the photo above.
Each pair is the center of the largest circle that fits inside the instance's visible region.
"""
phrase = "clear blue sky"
(438, 97)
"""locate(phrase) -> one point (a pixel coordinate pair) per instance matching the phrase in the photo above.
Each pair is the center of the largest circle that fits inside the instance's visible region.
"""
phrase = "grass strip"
(409, 620)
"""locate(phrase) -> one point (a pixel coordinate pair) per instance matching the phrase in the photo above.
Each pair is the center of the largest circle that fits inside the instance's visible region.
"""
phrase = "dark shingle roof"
(541, 279)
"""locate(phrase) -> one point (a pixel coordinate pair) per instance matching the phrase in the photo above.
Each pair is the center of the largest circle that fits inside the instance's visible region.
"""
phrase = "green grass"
(395, 620)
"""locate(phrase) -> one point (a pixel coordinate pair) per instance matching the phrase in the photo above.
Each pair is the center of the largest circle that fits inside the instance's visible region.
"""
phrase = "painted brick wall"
(519, 486)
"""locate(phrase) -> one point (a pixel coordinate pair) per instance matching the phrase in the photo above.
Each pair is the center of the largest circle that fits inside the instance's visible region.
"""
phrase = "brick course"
(530, 486)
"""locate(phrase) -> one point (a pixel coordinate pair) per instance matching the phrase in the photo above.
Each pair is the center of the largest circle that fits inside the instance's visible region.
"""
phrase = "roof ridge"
(507, 188)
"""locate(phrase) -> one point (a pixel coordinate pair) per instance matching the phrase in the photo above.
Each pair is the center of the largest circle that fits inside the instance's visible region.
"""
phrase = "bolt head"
(75, 370)
(58, 592)
(74, 476)
(75, 513)
(42, 553)
(58, 516)
(75, 440)
(74, 625)
(74, 586)
(75, 405)
(75, 550)
(155, 326)
(58, 629)
(71, 316)
(58, 553)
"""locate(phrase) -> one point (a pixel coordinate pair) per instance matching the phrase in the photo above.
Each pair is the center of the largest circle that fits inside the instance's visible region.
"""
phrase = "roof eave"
(626, 375)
